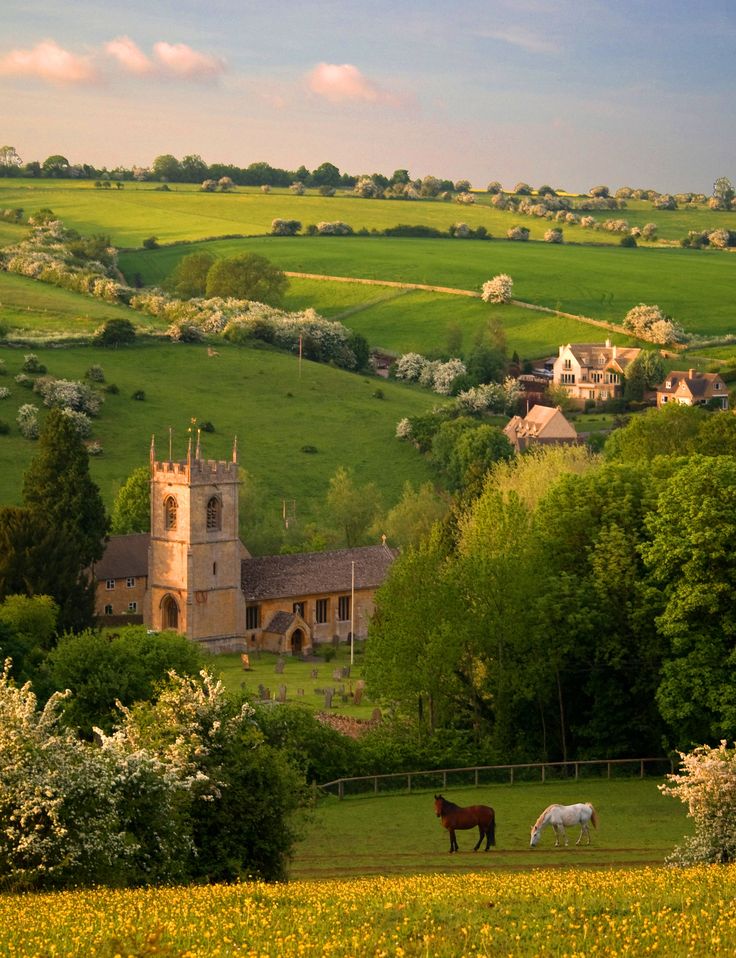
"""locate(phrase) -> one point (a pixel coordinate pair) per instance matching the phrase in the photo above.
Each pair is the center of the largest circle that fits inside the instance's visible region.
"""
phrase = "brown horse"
(454, 817)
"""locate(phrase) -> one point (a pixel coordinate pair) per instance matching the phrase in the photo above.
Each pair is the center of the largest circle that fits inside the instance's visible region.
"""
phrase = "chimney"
(608, 344)
(691, 374)
(561, 349)
(614, 352)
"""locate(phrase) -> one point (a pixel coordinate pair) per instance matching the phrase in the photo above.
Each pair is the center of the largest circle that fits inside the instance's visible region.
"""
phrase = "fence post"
(512, 776)
(340, 789)
(543, 768)
(408, 781)
(576, 771)
(609, 769)
(476, 778)
(444, 779)
(641, 769)
(375, 785)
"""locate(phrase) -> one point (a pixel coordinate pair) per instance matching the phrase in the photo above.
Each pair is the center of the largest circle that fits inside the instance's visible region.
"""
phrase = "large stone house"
(542, 424)
(693, 388)
(192, 574)
(592, 371)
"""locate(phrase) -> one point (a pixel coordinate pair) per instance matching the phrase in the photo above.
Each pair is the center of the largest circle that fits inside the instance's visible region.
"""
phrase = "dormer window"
(716, 385)
(169, 513)
(214, 514)
(668, 384)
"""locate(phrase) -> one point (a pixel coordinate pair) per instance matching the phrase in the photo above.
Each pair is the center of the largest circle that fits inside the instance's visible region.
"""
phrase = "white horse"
(558, 816)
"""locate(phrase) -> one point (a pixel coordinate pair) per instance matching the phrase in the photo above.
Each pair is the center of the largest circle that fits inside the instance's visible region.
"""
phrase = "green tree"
(189, 276)
(62, 499)
(670, 431)
(115, 332)
(132, 509)
(29, 624)
(635, 382)
(55, 165)
(102, 669)
(692, 566)
(413, 516)
(327, 174)
(351, 508)
(193, 168)
(166, 168)
(247, 276)
(723, 190)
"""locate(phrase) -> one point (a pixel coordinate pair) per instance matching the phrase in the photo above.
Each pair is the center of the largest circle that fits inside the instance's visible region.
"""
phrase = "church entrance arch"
(169, 613)
(297, 641)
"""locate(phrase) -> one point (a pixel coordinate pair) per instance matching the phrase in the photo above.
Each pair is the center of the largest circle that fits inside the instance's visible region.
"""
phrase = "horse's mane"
(447, 803)
(539, 820)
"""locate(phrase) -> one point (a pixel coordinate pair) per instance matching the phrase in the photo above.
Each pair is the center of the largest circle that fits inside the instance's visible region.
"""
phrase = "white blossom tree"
(498, 290)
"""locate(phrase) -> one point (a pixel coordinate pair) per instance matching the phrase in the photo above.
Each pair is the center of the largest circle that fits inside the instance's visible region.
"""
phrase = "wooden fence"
(560, 770)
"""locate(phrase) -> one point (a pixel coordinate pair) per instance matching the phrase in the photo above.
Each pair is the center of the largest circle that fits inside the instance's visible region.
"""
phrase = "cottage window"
(109, 584)
(668, 384)
(169, 613)
(298, 608)
(568, 378)
(253, 617)
(169, 513)
(214, 515)
(567, 364)
(130, 582)
(343, 608)
(321, 608)
(716, 385)
(132, 607)
(108, 610)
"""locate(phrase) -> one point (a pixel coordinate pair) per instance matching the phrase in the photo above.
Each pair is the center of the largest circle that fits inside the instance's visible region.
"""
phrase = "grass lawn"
(399, 834)
(297, 675)
(254, 394)
(140, 210)
(695, 287)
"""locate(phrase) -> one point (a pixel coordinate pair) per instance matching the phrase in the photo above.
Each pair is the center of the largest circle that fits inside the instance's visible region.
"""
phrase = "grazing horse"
(558, 816)
(454, 817)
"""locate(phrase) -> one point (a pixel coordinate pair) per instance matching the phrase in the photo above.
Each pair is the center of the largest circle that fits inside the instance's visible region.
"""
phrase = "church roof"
(281, 622)
(314, 573)
(124, 556)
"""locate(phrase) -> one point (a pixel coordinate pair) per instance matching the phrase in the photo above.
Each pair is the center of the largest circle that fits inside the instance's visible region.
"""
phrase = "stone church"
(193, 575)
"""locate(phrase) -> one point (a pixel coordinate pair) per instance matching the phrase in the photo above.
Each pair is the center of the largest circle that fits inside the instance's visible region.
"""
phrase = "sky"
(570, 93)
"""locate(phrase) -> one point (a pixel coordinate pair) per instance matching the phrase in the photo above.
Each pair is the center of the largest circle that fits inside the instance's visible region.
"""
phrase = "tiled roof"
(699, 384)
(314, 573)
(280, 622)
(124, 556)
(588, 354)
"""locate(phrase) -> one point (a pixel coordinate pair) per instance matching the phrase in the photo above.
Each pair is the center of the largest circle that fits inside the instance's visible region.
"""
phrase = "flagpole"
(352, 614)
(300, 357)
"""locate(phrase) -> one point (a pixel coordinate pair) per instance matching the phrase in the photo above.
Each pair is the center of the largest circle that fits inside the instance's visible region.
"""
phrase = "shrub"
(4, 427)
(139, 395)
(3, 370)
(518, 233)
(96, 374)
(69, 394)
(81, 422)
(285, 227)
(628, 241)
(4, 392)
(494, 188)
(32, 365)
(651, 324)
(338, 228)
(112, 388)
(553, 236)
(498, 290)
(28, 421)
(523, 189)
(707, 785)
(206, 426)
(297, 189)
(152, 241)
(115, 332)
(25, 381)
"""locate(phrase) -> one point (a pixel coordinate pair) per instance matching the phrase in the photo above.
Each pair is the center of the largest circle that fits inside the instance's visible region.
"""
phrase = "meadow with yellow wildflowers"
(562, 912)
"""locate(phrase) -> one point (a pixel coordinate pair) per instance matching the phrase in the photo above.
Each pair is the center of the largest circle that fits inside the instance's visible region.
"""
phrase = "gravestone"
(300, 693)
(280, 666)
(328, 698)
(282, 694)
(346, 671)
(337, 674)
(358, 694)
(314, 673)
(262, 691)
(376, 716)
(245, 659)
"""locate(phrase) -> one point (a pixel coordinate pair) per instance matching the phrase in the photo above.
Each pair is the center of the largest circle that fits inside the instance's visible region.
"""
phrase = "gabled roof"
(542, 423)
(314, 573)
(590, 354)
(699, 385)
(124, 556)
(281, 622)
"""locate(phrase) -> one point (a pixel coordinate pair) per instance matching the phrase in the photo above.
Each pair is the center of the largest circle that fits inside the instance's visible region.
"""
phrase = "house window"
(130, 582)
(169, 513)
(253, 617)
(214, 515)
(214, 568)
(110, 584)
(567, 364)
(664, 399)
(321, 608)
(668, 384)
(132, 607)
(568, 378)
(716, 385)
(343, 608)
(108, 610)
(298, 608)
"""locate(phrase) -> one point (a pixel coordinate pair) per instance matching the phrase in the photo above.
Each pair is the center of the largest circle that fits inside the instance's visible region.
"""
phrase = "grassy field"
(140, 210)
(561, 912)
(692, 286)
(254, 394)
(399, 834)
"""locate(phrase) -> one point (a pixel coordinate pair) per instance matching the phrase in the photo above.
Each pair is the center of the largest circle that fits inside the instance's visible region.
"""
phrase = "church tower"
(195, 551)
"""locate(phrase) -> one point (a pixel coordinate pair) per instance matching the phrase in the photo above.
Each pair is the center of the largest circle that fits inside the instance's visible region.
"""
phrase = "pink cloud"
(340, 82)
(129, 55)
(50, 62)
(181, 60)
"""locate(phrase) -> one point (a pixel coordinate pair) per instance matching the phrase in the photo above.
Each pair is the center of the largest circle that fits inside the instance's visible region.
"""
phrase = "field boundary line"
(453, 291)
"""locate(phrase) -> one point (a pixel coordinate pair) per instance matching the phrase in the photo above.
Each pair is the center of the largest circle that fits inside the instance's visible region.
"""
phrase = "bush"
(553, 236)
(628, 241)
(115, 332)
(4, 427)
(96, 374)
(32, 365)
(112, 389)
(4, 392)
(139, 395)
(518, 233)
(28, 421)
(498, 290)
(285, 227)
(152, 241)
(707, 785)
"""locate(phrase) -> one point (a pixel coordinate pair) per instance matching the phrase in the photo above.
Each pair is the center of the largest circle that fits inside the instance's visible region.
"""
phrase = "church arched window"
(214, 514)
(169, 513)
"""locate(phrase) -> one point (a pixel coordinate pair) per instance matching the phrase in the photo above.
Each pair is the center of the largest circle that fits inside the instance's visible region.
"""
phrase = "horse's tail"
(593, 816)
(492, 829)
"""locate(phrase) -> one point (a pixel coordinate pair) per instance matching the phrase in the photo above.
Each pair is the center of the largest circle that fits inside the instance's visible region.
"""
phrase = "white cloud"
(49, 62)
(179, 59)
(129, 55)
(523, 38)
(344, 82)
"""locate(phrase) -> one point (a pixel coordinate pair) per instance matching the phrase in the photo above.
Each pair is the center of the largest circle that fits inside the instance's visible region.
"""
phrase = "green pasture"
(296, 676)
(30, 309)
(695, 287)
(399, 834)
(140, 210)
(257, 395)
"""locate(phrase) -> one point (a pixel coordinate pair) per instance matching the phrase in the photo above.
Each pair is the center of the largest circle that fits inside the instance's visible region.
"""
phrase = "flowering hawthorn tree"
(707, 785)
(497, 290)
